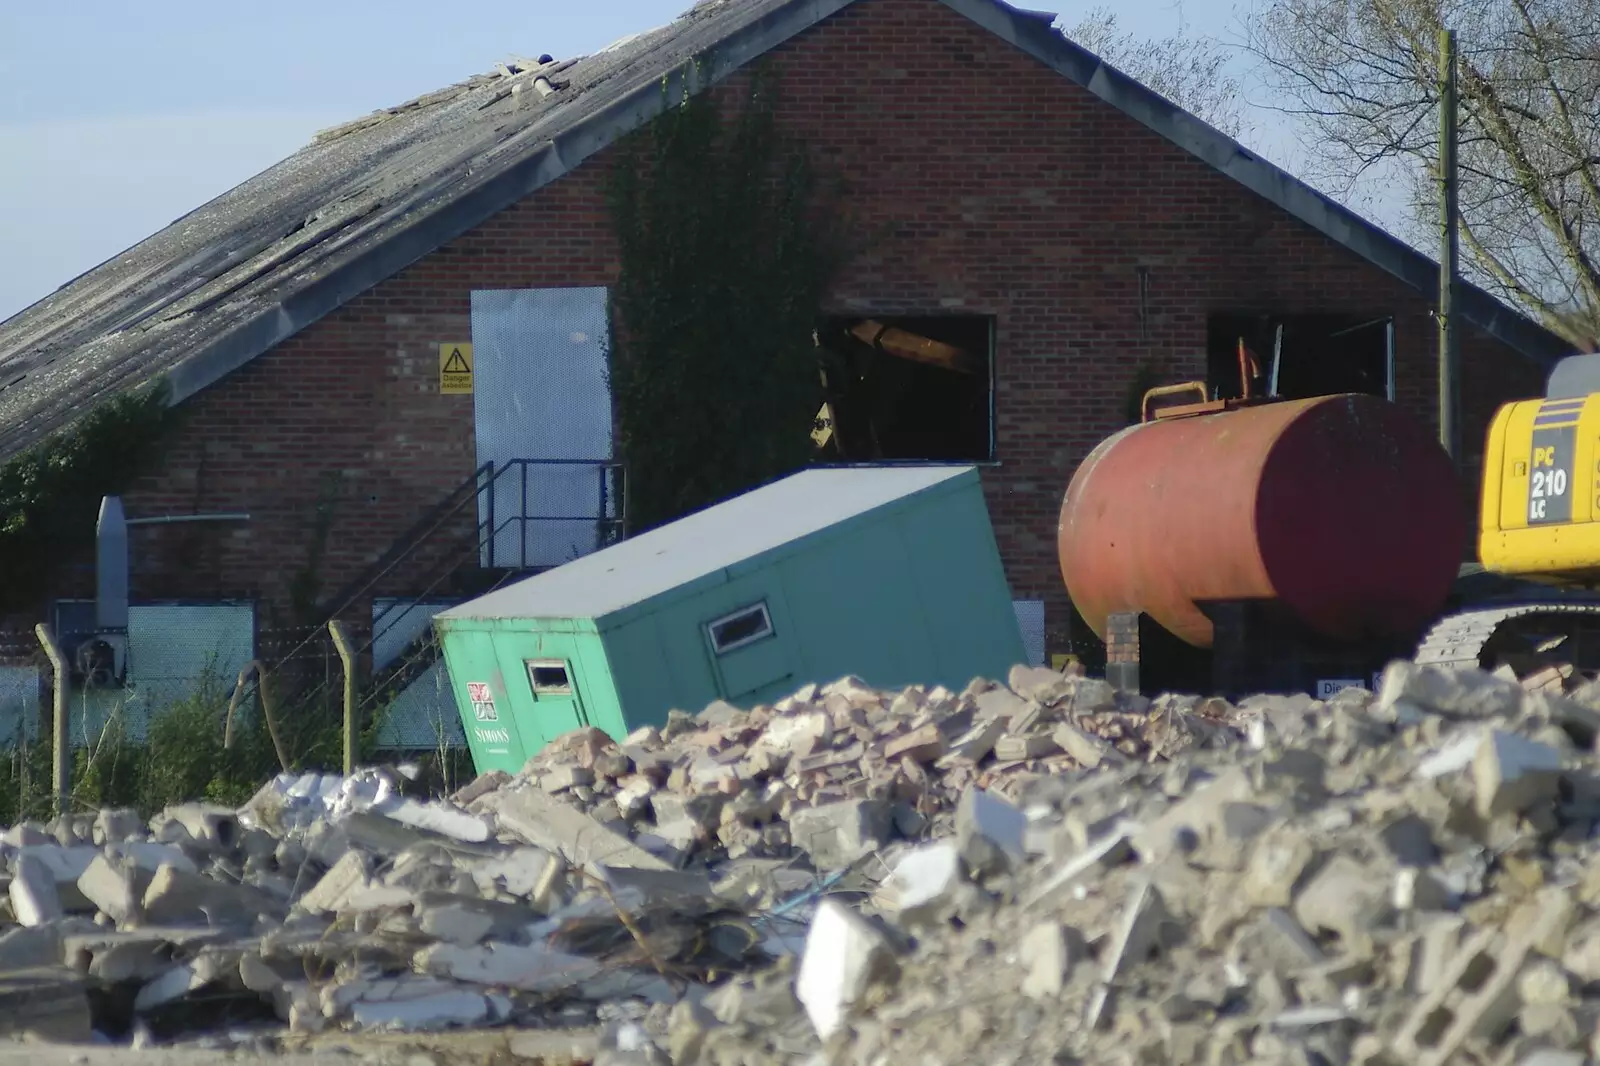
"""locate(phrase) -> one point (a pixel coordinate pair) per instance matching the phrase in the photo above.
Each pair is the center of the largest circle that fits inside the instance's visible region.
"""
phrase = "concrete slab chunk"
(990, 832)
(34, 899)
(556, 827)
(1511, 773)
(110, 886)
(1346, 898)
(844, 955)
(438, 1011)
(532, 969)
(1046, 953)
(455, 924)
(176, 896)
(837, 834)
(349, 875)
(30, 947)
(925, 882)
(437, 818)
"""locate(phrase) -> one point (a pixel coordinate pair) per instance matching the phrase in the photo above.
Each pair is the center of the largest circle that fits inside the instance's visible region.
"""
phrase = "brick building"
(1056, 219)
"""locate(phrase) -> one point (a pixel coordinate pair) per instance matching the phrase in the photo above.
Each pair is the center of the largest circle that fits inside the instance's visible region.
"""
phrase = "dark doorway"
(1298, 356)
(909, 388)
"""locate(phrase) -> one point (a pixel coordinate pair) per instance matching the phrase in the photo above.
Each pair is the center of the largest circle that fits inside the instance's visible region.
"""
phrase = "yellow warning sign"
(455, 369)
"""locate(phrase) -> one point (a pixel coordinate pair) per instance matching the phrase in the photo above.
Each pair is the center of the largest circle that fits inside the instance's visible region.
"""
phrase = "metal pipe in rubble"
(255, 666)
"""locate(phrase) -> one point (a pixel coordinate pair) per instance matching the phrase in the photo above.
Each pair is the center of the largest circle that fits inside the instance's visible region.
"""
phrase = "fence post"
(60, 752)
(347, 658)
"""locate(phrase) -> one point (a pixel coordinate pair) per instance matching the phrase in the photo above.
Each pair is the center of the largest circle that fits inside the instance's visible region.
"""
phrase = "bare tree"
(1189, 71)
(1362, 75)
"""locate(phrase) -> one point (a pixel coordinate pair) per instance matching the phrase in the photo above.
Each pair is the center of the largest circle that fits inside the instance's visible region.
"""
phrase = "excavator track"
(1461, 639)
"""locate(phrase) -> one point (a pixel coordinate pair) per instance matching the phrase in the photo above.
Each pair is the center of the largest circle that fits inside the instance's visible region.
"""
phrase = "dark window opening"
(740, 628)
(907, 388)
(549, 678)
(1299, 356)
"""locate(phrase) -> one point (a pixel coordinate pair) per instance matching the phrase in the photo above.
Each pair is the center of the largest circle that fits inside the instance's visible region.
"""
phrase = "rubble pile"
(1037, 871)
(602, 876)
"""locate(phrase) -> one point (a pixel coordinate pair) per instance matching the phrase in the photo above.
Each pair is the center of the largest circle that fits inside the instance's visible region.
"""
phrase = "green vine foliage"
(50, 495)
(726, 253)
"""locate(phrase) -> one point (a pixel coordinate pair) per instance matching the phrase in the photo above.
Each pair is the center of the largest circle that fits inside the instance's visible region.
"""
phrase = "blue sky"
(117, 118)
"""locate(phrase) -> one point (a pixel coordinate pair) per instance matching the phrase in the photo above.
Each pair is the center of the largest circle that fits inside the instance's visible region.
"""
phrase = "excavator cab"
(1540, 518)
(1534, 602)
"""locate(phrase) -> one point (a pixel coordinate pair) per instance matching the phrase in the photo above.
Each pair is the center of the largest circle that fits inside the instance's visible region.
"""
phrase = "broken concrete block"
(30, 947)
(1282, 942)
(1511, 773)
(1543, 982)
(1458, 693)
(531, 873)
(210, 824)
(424, 1013)
(533, 969)
(1476, 994)
(348, 876)
(111, 887)
(1087, 751)
(170, 985)
(923, 744)
(1345, 898)
(1094, 695)
(837, 834)
(975, 743)
(481, 785)
(115, 826)
(687, 1026)
(176, 896)
(1410, 840)
(844, 956)
(42, 1007)
(1046, 952)
(558, 828)
(561, 778)
(455, 924)
(138, 959)
(1276, 862)
(436, 818)
(926, 882)
(1139, 932)
(1003, 704)
(989, 832)
(1016, 748)
(1038, 683)
(34, 900)
(1419, 890)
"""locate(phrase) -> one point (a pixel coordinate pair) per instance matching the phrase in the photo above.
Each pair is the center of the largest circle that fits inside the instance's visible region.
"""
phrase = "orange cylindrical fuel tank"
(1342, 509)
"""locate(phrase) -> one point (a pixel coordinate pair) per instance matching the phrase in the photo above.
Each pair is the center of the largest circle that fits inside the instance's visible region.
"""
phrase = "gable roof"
(249, 269)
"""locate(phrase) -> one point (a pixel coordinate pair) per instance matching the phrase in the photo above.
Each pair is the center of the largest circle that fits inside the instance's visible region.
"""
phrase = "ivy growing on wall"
(50, 494)
(727, 247)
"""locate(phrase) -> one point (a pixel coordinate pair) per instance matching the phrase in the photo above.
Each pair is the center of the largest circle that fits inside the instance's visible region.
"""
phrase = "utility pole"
(1449, 253)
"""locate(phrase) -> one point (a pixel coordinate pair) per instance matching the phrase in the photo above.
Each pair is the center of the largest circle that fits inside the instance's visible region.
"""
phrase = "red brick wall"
(1001, 188)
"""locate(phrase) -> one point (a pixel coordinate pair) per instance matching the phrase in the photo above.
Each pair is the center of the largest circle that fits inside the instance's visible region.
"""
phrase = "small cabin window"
(742, 627)
(549, 677)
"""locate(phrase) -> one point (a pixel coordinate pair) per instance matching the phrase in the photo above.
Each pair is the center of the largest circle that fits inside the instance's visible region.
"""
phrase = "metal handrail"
(612, 526)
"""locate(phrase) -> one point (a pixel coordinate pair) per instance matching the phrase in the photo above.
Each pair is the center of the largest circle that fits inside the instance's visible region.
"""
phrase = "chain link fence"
(415, 704)
(177, 653)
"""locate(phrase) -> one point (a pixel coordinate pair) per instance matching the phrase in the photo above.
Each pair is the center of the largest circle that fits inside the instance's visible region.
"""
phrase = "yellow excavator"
(1534, 598)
